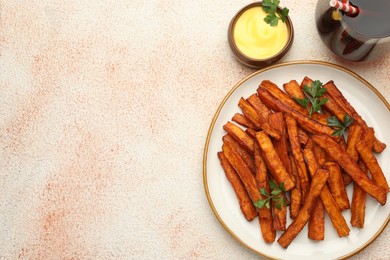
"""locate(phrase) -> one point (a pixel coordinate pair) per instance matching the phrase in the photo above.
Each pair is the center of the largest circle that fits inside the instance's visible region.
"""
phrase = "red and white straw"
(345, 7)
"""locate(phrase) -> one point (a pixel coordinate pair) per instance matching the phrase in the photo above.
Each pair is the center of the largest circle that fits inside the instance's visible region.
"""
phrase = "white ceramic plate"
(369, 104)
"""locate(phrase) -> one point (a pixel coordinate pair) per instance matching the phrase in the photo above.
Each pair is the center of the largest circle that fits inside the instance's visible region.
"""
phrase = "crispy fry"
(275, 165)
(242, 120)
(240, 136)
(303, 137)
(242, 170)
(276, 121)
(317, 222)
(336, 94)
(265, 214)
(336, 185)
(337, 219)
(354, 135)
(319, 154)
(245, 155)
(305, 122)
(277, 93)
(251, 132)
(300, 221)
(295, 196)
(372, 164)
(256, 119)
(259, 106)
(358, 204)
(244, 200)
(346, 178)
(337, 153)
(293, 89)
(280, 217)
(292, 131)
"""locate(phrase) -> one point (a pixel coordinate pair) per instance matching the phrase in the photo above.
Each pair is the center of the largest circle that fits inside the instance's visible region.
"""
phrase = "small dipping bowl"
(255, 43)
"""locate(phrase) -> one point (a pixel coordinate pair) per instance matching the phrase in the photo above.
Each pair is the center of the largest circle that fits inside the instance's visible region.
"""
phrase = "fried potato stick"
(277, 122)
(316, 186)
(316, 224)
(265, 215)
(337, 153)
(242, 120)
(277, 93)
(259, 106)
(306, 123)
(275, 165)
(336, 185)
(240, 136)
(292, 130)
(336, 94)
(244, 200)
(256, 119)
(245, 155)
(358, 204)
(372, 164)
(337, 219)
(295, 195)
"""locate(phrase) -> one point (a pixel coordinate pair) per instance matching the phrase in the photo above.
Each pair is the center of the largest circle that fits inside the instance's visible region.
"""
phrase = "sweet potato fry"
(354, 136)
(336, 94)
(265, 214)
(251, 132)
(242, 120)
(259, 106)
(275, 165)
(317, 222)
(242, 170)
(303, 137)
(346, 178)
(276, 121)
(256, 119)
(336, 185)
(372, 164)
(293, 89)
(277, 93)
(240, 136)
(245, 155)
(303, 176)
(316, 186)
(337, 153)
(319, 154)
(295, 195)
(280, 217)
(337, 219)
(358, 204)
(305, 122)
(244, 200)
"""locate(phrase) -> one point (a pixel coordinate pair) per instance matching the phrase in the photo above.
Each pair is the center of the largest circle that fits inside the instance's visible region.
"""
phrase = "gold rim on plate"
(328, 64)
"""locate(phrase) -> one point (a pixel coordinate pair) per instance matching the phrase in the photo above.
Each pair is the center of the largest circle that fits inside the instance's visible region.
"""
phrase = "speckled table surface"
(105, 107)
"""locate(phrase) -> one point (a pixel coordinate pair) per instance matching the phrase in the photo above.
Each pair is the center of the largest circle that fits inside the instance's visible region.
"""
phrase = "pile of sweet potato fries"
(278, 141)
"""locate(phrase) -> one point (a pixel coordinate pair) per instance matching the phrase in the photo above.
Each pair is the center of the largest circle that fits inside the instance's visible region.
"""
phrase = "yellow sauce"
(257, 39)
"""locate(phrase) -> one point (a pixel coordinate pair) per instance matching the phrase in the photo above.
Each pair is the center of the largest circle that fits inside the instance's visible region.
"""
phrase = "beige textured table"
(105, 107)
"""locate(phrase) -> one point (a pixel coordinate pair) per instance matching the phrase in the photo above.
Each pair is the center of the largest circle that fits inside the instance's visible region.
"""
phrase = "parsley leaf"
(313, 95)
(271, 8)
(276, 196)
(340, 127)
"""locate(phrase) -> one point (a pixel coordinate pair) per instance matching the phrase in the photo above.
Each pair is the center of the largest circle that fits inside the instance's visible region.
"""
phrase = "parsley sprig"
(273, 16)
(313, 95)
(340, 127)
(276, 196)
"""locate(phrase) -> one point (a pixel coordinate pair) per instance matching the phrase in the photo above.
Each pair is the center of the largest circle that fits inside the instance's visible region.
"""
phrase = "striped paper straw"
(345, 7)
